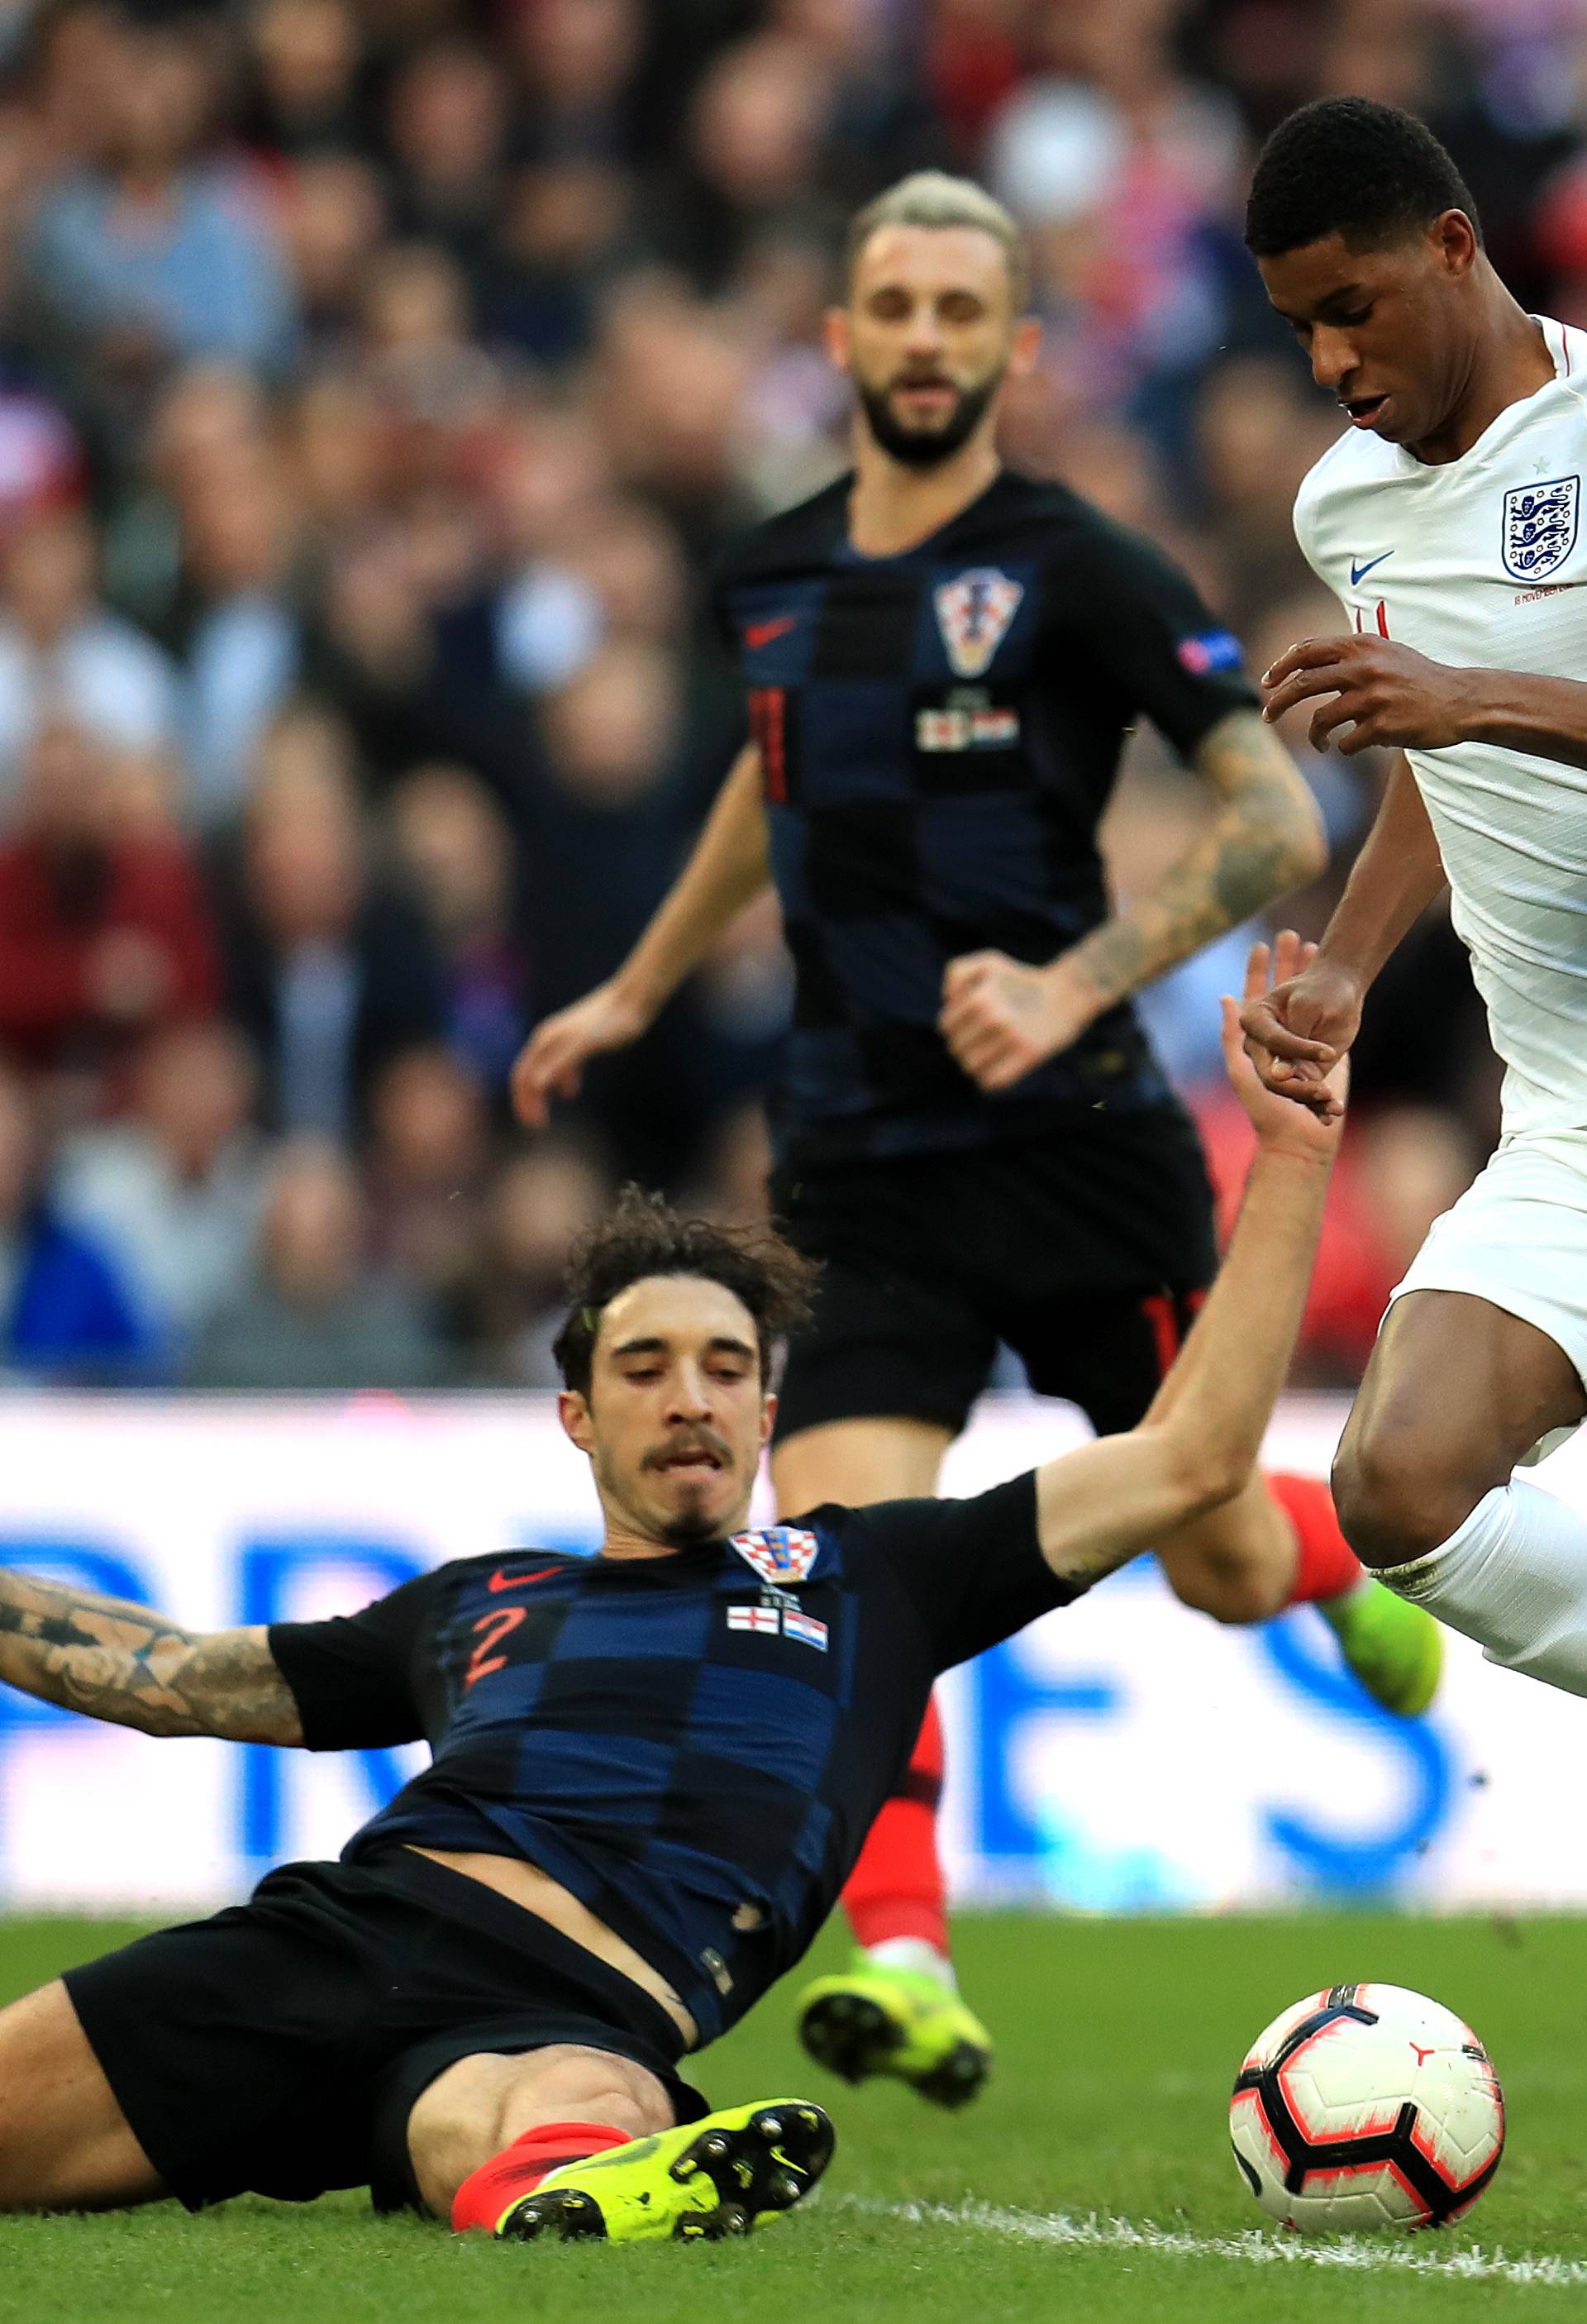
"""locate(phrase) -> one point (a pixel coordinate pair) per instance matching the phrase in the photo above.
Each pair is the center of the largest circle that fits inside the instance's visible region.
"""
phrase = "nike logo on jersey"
(1358, 573)
(762, 633)
(500, 1581)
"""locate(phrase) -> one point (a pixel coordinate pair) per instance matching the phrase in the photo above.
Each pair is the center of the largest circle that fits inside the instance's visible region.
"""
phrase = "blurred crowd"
(375, 379)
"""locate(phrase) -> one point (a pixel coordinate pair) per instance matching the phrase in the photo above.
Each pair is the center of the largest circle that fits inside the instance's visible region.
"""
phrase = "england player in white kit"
(1448, 522)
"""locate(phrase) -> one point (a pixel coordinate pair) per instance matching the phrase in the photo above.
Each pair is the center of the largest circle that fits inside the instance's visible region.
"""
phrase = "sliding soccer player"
(942, 661)
(652, 1770)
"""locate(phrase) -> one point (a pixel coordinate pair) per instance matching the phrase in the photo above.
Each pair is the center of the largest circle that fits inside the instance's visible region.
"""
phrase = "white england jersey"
(1484, 563)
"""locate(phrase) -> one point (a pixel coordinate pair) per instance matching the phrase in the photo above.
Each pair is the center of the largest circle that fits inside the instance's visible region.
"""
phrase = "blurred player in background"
(1447, 520)
(943, 659)
(652, 1771)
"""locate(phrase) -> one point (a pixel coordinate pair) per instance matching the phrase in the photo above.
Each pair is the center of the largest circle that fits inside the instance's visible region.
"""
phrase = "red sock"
(487, 2192)
(897, 1888)
(1325, 1565)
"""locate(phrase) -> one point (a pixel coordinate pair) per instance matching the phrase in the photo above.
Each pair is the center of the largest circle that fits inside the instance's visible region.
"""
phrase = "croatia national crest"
(778, 1553)
(1540, 524)
(973, 613)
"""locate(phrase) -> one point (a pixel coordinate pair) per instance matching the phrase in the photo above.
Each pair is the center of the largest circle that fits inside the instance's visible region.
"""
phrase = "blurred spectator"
(579, 60)
(752, 155)
(174, 1189)
(65, 1313)
(63, 655)
(334, 214)
(329, 968)
(457, 848)
(426, 1166)
(448, 116)
(315, 1316)
(513, 1310)
(155, 254)
(242, 635)
(306, 58)
(104, 933)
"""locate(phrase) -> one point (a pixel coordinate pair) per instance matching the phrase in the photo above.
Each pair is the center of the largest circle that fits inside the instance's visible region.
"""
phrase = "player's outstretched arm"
(730, 865)
(1102, 1505)
(1295, 1034)
(1002, 1017)
(127, 1664)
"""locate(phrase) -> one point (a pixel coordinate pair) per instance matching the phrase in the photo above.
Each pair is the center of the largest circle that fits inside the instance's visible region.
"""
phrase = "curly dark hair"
(641, 1236)
(1344, 165)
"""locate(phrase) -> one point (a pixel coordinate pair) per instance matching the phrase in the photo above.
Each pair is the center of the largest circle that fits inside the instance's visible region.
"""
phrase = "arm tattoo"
(128, 1664)
(1265, 841)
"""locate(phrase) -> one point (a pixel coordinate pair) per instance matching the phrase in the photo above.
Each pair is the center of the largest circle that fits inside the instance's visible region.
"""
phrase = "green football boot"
(1395, 1649)
(707, 2179)
(901, 2022)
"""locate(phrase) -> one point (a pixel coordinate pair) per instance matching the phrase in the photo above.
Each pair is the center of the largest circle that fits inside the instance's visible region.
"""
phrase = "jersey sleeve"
(351, 1676)
(973, 1569)
(1148, 628)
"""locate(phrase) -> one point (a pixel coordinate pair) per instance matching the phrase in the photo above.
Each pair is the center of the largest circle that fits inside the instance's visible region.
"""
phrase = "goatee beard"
(687, 1532)
(926, 447)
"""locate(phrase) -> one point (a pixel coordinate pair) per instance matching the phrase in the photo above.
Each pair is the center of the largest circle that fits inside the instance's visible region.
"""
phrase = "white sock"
(915, 1954)
(1515, 1578)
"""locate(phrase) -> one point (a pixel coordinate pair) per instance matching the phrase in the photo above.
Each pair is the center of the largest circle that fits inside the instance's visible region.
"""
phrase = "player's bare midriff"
(525, 1885)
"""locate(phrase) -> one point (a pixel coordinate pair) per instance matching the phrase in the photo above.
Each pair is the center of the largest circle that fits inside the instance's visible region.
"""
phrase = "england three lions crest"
(1540, 522)
(973, 613)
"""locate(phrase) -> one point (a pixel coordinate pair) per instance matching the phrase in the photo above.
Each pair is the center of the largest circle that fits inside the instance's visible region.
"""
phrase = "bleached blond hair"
(931, 197)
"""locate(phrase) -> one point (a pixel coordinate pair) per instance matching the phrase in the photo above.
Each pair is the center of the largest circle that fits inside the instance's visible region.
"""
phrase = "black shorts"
(1087, 1254)
(278, 2048)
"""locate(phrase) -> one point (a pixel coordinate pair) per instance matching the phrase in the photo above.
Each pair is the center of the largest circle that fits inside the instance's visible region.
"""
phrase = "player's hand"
(1385, 694)
(1296, 1030)
(1002, 1017)
(551, 1062)
(1312, 1126)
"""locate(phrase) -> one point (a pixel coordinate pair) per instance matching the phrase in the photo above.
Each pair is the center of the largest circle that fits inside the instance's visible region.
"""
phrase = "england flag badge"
(973, 613)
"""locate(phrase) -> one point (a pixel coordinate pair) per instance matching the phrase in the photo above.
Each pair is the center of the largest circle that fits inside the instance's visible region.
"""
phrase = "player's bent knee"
(1237, 1594)
(482, 2103)
(1397, 1498)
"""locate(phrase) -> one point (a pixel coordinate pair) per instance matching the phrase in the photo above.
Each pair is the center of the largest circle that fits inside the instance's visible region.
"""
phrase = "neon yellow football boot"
(1395, 1649)
(707, 2179)
(870, 2020)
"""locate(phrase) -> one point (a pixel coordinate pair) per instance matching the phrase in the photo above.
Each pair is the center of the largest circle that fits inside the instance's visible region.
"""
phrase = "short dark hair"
(644, 1236)
(1344, 165)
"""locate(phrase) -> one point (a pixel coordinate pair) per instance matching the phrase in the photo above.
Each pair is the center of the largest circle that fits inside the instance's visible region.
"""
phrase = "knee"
(481, 2105)
(575, 2085)
(1400, 1495)
(1235, 1591)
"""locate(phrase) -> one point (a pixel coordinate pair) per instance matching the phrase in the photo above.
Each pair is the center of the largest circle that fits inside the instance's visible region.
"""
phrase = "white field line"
(1357, 2253)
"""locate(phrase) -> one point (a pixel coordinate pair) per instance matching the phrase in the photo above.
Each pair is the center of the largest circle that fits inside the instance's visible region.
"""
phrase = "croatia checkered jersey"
(1480, 563)
(695, 1745)
(939, 733)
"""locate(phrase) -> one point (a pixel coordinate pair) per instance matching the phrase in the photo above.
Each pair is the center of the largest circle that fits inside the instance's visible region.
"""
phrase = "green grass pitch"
(1118, 2041)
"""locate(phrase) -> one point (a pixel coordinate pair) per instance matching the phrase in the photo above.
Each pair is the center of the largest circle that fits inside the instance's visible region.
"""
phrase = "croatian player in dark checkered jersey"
(941, 659)
(652, 1771)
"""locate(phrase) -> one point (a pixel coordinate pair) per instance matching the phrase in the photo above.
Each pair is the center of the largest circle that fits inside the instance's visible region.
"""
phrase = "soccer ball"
(1364, 2108)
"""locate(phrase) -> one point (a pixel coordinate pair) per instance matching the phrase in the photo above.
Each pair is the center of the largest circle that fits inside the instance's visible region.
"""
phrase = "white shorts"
(1518, 1238)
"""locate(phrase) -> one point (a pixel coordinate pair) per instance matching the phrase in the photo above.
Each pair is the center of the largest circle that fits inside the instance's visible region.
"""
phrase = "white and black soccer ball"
(1364, 2108)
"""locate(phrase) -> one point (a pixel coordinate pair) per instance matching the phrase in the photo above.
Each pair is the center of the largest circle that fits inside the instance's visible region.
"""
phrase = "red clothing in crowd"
(54, 920)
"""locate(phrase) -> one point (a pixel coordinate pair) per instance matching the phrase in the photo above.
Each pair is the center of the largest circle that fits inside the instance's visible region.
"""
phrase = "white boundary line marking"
(1354, 2253)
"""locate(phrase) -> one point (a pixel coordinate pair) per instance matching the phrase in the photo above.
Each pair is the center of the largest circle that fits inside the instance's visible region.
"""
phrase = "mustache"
(687, 1441)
